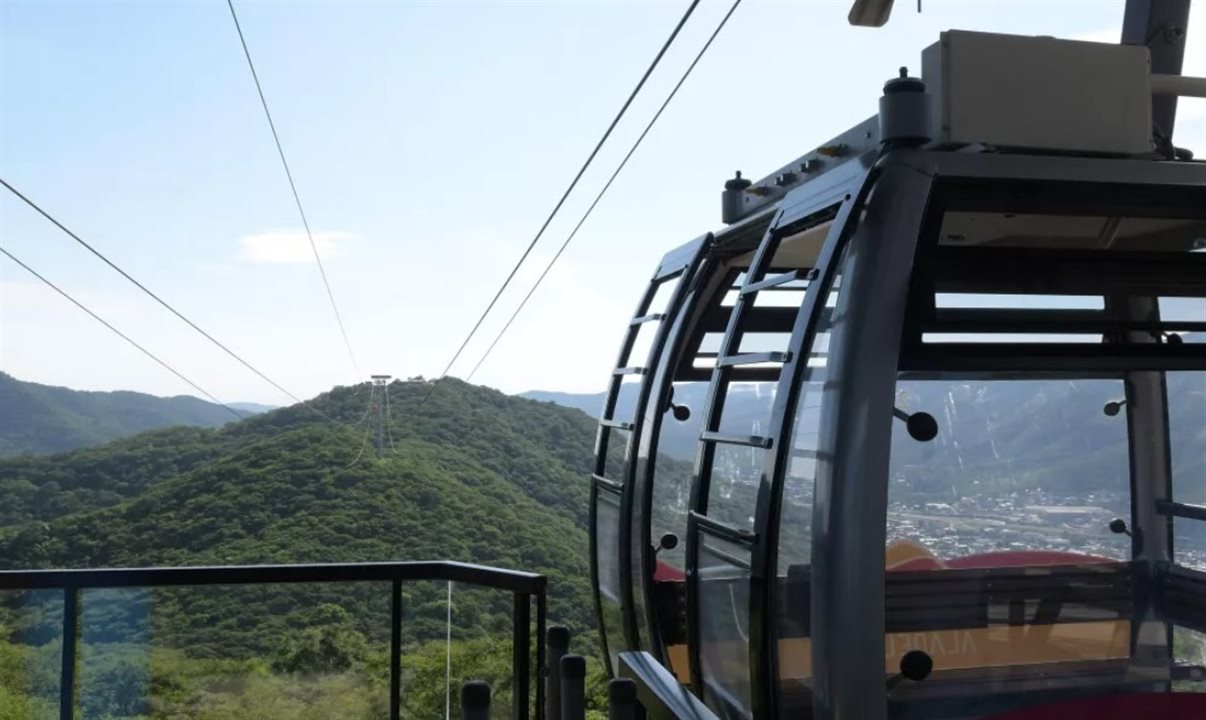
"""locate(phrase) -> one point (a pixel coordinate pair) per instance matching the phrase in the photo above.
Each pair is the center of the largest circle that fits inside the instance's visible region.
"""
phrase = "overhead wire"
(564, 196)
(389, 433)
(363, 446)
(161, 301)
(368, 408)
(293, 187)
(687, 73)
(367, 431)
(122, 335)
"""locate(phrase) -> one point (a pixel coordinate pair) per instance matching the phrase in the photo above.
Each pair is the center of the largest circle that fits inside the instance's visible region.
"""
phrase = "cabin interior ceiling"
(798, 251)
(1072, 232)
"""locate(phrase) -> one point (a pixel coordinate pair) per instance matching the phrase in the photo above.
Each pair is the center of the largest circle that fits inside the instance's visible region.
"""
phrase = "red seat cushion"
(1148, 706)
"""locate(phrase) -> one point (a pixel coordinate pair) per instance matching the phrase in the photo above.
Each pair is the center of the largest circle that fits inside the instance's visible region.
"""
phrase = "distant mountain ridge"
(40, 419)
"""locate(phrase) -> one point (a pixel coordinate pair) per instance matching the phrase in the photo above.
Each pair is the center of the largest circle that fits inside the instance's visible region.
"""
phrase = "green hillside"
(40, 419)
(474, 475)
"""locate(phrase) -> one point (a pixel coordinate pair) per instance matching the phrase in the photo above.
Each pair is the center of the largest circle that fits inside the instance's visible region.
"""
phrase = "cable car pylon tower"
(380, 381)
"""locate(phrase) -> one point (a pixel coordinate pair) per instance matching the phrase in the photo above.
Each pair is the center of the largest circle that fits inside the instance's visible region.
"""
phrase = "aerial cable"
(367, 431)
(122, 335)
(293, 186)
(557, 208)
(161, 301)
(363, 445)
(369, 408)
(389, 433)
(603, 192)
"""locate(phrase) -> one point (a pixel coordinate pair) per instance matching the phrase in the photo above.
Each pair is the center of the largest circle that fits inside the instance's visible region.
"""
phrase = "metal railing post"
(395, 652)
(573, 687)
(541, 662)
(521, 656)
(557, 639)
(71, 623)
(475, 700)
(621, 699)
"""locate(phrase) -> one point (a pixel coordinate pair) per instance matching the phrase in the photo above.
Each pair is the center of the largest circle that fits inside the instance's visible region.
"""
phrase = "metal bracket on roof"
(742, 198)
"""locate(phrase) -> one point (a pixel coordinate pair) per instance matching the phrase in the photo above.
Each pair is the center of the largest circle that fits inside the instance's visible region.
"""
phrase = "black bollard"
(621, 699)
(558, 639)
(475, 700)
(573, 687)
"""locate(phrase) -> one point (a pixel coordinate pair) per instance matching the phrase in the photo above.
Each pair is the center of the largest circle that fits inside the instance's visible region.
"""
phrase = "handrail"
(523, 585)
(659, 692)
(85, 578)
(1182, 510)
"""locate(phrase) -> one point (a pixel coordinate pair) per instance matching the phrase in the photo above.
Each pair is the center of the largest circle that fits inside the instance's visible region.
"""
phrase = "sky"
(428, 142)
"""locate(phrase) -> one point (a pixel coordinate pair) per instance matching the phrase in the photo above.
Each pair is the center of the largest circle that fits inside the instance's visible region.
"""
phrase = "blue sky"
(428, 141)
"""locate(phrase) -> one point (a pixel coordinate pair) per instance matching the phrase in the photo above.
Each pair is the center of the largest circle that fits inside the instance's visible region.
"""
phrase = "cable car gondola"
(921, 432)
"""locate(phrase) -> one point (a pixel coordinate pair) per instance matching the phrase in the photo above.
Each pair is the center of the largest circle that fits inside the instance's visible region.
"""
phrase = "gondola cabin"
(921, 431)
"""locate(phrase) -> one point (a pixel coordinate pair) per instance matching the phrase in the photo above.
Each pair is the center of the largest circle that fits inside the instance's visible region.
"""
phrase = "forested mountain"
(41, 419)
(472, 475)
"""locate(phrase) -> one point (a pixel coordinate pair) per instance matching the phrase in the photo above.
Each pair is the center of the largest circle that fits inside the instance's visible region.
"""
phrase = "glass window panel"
(616, 445)
(607, 549)
(429, 647)
(736, 472)
(1019, 302)
(234, 651)
(1012, 338)
(31, 643)
(747, 408)
(678, 442)
(630, 388)
(724, 582)
(1001, 565)
(481, 644)
(793, 589)
(1189, 543)
(1183, 309)
(1018, 469)
(1187, 435)
(795, 526)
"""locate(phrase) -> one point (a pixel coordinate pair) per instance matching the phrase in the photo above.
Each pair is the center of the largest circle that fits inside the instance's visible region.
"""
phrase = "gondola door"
(620, 620)
(730, 540)
(720, 528)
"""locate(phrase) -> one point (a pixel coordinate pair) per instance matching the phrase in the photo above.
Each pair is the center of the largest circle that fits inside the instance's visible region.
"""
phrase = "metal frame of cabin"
(879, 206)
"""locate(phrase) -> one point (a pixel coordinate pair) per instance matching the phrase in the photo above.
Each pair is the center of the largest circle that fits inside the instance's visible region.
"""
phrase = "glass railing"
(365, 640)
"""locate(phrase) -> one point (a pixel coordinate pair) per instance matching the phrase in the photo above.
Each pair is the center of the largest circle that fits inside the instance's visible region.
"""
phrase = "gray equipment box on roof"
(1039, 93)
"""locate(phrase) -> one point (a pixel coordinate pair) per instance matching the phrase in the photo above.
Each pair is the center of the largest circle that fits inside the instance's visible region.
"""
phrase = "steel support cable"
(122, 335)
(603, 192)
(363, 445)
(293, 187)
(369, 407)
(367, 431)
(161, 301)
(388, 422)
(564, 196)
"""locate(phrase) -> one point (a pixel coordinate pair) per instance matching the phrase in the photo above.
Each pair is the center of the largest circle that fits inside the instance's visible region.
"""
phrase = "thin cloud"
(291, 246)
